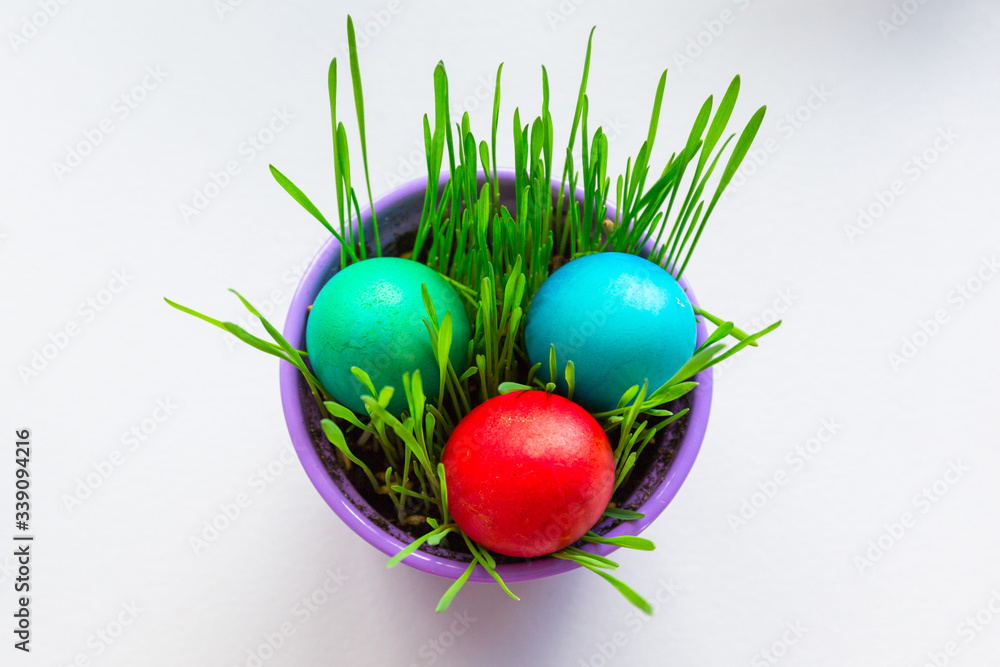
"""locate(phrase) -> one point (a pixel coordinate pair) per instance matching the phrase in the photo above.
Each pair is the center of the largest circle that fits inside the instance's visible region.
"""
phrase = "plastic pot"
(398, 216)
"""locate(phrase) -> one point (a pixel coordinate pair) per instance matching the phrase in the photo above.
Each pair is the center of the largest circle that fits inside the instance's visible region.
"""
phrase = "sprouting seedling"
(496, 253)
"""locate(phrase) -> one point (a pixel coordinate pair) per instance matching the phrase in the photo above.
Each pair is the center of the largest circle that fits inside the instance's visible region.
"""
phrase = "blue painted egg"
(620, 318)
(370, 315)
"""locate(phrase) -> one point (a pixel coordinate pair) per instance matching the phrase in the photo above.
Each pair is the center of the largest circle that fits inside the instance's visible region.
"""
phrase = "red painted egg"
(528, 473)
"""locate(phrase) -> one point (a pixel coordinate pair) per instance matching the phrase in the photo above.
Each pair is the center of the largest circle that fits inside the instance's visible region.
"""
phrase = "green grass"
(497, 259)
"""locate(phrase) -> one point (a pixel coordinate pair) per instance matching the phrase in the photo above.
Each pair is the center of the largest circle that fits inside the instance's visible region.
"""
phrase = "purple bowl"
(399, 213)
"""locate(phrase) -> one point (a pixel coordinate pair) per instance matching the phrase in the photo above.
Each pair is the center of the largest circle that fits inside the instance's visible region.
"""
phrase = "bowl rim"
(354, 518)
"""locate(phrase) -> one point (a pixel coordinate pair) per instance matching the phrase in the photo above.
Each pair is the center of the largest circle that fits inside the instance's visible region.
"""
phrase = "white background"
(868, 100)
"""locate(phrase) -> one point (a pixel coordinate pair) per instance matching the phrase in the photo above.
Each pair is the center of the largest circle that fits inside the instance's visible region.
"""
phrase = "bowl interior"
(398, 216)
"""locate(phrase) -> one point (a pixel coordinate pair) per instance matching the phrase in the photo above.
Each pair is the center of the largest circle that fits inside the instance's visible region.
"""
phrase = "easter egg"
(620, 318)
(528, 473)
(370, 315)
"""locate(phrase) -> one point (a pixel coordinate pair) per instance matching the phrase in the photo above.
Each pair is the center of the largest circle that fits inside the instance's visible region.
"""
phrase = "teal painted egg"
(620, 318)
(370, 315)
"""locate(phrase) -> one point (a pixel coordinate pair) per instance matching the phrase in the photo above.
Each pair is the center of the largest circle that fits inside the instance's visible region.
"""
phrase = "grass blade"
(624, 541)
(415, 544)
(359, 106)
(625, 515)
(453, 590)
(624, 589)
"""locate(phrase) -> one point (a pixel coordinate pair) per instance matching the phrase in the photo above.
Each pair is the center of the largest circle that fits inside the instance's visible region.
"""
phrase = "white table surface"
(870, 97)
